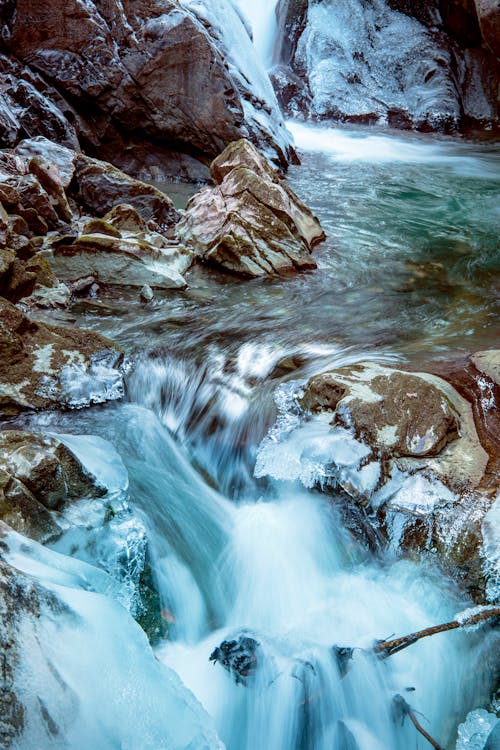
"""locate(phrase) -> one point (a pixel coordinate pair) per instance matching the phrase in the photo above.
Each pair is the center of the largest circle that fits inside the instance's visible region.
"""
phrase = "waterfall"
(261, 15)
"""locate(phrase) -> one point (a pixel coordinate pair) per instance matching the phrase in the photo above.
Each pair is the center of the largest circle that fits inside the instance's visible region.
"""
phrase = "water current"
(407, 274)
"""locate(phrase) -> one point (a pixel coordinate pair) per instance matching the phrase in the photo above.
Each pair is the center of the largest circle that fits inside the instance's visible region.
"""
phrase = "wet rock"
(415, 421)
(23, 512)
(488, 363)
(44, 366)
(488, 12)
(147, 293)
(30, 105)
(428, 492)
(101, 226)
(239, 656)
(250, 223)
(48, 175)
(34, 198)
(125, 218)
(46, 467)
(128, 261)
(101, 186)
(174, 74)
(50, 152)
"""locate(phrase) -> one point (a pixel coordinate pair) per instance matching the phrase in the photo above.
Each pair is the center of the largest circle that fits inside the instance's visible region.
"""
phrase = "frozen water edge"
(136, 702)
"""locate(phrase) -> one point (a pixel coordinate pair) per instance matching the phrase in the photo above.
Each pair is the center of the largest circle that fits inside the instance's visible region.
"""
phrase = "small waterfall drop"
(261, 15)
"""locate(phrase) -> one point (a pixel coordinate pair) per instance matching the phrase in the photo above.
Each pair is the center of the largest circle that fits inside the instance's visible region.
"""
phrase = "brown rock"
(37, 359)
(48, 175)
(101, 226)
(125, 218)
(21, 510)
(101, 186)
(251, 223)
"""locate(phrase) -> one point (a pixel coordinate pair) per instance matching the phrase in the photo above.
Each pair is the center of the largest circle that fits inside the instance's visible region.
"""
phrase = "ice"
(100, 458)
(473, 733)
(490, 551)
(261, 15)
(259, 100)
(364, 59)
(87, 676)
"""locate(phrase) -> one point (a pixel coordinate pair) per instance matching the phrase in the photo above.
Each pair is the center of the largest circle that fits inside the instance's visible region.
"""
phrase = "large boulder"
(43, 366)
(408, 449)
(250, 222)
(411, 421)
(172, 75)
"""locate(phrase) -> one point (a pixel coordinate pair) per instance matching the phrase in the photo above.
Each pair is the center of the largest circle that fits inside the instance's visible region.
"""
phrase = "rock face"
(43, 366)
(422, 468)
(250, 223)
(175, 75)
(427, 65)
(38, 474)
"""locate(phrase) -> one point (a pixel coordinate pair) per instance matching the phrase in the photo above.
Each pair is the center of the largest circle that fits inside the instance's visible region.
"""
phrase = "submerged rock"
(239, 656)
(43, 366)
(250, 223)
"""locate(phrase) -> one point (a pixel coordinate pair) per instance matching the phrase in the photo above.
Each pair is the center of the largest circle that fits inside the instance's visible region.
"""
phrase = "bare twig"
(388, 648)
(402, 709)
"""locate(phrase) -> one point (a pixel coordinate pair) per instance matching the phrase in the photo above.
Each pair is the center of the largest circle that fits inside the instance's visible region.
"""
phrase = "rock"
(21, 510)
(445, 74)
(30, 105)
(44, 366)
(428, 490)
(48, 175)
(488, 363)
(49, 470)
(101, 226)
(131, 261)
(414, 420)
(250, 223)
(53, 153)
(181, 76)
(35, 205)
(488, 12)
(126, 219)
(239, 656)
(101, 186)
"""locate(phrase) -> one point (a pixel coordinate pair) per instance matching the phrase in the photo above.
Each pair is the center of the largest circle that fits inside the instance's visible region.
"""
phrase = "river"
(405, 275)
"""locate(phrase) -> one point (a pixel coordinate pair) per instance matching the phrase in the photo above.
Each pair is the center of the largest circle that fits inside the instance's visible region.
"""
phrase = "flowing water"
(407, 274)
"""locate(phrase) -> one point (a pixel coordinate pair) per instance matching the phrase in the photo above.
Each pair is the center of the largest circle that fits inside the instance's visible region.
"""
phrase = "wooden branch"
(388, 648)
(402, 709)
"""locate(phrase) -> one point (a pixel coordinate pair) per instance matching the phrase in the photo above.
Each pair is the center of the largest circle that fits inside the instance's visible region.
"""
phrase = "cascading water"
(268, 562)
(261, 15)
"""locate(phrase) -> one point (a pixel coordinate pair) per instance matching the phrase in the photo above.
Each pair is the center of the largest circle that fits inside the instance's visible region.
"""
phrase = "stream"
(407, 274)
